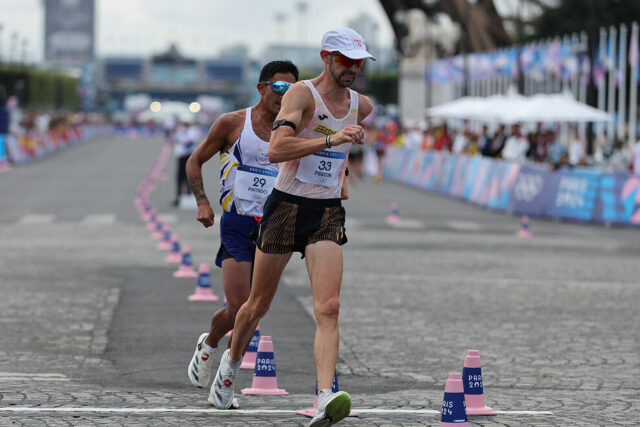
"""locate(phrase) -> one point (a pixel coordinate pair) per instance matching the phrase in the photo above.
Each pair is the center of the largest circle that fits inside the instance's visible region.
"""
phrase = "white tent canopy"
(517, 108)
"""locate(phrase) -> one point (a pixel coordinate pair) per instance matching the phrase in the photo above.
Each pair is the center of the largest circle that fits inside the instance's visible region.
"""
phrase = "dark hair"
(273, 67)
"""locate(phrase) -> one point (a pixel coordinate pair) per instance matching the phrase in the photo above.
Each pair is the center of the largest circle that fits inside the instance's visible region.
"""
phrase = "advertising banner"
(618, 199)
(532, 189)
(575, 195)
(579, 194)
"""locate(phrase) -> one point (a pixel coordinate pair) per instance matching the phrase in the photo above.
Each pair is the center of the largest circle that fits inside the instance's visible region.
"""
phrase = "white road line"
(36, 219)
(463, 226)
(89, 409)
(19, 376)
(407, 224)
(168, 218)
(99, 219)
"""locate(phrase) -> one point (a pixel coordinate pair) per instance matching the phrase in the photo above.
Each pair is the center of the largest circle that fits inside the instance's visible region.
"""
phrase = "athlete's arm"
(344, 190)
(284, 145)
(214, 142)
(365, 107)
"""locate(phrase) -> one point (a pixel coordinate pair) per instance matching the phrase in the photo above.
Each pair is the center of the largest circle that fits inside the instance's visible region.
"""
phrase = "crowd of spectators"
(513, 143)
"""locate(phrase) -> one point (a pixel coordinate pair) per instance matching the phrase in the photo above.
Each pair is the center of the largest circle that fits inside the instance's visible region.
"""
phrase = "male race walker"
(311, 137)
(246, 178)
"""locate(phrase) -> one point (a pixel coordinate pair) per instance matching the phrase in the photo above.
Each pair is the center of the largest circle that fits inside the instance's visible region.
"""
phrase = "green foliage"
(39, 89)
(572, 16)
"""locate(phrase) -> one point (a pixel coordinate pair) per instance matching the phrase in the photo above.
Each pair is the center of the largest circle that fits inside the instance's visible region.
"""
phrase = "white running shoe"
(199, 369)
(332, 407)
(221, 395)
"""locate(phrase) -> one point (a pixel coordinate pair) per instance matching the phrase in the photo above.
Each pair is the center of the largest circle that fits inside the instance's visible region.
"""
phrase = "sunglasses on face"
(278, 87)
(346, 61)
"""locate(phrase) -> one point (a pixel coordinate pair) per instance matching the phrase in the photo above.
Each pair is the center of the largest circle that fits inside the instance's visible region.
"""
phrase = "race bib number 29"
(254, 183)
(321, 168)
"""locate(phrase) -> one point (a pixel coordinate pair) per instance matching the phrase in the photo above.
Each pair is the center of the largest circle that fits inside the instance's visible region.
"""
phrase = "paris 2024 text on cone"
(472, 382)
(249, 358)
(264, 374)
(453, 405)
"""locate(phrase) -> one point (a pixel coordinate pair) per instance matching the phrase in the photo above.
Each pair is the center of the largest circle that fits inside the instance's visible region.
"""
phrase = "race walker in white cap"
(317, 124)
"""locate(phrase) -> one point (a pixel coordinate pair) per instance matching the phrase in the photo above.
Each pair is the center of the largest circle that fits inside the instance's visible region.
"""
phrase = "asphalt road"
(95, 330)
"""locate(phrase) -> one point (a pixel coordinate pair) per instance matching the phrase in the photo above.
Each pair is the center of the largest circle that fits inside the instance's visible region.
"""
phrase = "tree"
(572, 16)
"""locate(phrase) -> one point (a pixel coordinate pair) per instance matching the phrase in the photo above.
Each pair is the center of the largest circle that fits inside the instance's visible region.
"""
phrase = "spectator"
(442, 139)
(516, 146)
(484, 142)
(461, 140)
(557, 151)
(186, 139)
(577, 155)
(620, 158)
(498, 141)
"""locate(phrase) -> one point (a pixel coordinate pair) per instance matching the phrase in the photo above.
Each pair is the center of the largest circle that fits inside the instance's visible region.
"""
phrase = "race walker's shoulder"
(365, 107)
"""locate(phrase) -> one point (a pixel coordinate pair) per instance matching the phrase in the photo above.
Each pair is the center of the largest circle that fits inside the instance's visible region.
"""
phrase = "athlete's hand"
(351, 133)
(205, 214)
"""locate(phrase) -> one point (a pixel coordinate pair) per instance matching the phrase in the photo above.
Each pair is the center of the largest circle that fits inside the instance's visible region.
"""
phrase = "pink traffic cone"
(249, 358)
(165, 243)
(264, 374)
(186, 266)
(453, 406)
(472, 381)
(157, 231)
(174, 256)
(394, 216)
(334, 388)
(524, 232)
(203, 289)
(151, 224)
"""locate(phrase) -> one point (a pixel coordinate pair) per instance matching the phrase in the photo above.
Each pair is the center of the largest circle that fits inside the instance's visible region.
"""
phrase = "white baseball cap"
(346, 41)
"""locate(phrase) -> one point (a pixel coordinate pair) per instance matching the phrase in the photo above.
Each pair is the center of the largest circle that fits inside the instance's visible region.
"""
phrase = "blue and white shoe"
(199, 370)
(332, 407)
(222, 390)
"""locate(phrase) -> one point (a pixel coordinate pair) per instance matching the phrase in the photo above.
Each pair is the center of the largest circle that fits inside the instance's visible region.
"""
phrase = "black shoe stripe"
(194, 364)
(195, 375)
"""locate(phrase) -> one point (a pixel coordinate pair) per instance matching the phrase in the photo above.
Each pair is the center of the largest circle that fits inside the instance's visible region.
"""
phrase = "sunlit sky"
(201, 28)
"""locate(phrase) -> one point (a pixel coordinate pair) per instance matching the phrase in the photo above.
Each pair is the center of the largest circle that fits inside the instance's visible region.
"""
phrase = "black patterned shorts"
(290, 223)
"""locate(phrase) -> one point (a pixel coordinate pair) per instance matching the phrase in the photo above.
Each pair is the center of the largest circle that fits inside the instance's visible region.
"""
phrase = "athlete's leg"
(324, 264)
(236, 280)
(267, 270)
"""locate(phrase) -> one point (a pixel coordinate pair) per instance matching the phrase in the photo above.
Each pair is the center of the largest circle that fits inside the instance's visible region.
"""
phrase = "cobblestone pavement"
(554, 317)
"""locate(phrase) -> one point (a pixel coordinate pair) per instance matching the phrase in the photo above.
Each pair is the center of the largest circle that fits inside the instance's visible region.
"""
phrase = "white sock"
(206, 347)
(235, 364)
(324, 391)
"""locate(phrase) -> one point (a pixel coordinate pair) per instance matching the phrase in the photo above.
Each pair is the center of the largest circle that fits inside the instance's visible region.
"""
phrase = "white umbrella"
(513, 108)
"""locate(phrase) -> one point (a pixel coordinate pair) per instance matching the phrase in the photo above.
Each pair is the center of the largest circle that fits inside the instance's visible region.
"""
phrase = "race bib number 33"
(253, 183)
(321, 168)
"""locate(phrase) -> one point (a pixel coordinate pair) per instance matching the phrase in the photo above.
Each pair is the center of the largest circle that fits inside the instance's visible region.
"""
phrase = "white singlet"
(246, 175)
(319, 175)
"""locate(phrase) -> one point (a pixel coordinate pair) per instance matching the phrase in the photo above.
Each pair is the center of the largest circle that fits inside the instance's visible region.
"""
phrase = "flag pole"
(602, 54)
(613, 34)
(633, 84)
(622, 83)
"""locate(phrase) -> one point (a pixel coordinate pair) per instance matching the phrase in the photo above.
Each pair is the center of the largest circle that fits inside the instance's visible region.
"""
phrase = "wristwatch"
(283, 122)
